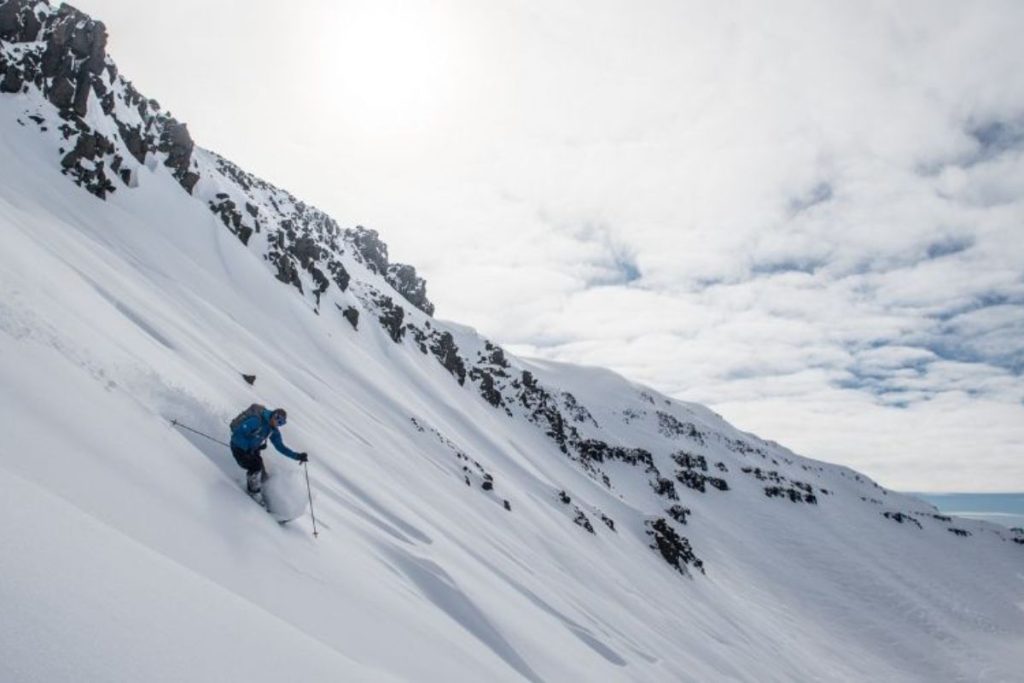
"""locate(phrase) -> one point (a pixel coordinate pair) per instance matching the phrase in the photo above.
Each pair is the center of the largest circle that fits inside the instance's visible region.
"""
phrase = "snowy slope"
(643, 539)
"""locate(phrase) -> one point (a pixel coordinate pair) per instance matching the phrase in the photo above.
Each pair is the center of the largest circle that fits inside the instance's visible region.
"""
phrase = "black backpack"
(254, 409)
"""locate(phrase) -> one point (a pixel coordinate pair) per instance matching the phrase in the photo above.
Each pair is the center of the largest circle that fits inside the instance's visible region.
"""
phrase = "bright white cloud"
(809, 215)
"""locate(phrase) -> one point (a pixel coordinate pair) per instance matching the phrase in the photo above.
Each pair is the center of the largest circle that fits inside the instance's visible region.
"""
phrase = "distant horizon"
(963, 493)
(1005, 508)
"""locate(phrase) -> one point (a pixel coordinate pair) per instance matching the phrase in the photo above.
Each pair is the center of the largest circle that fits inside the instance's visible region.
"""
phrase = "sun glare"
(393, 65)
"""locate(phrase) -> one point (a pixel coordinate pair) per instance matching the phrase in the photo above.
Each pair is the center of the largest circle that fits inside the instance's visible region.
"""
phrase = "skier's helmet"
(280, 416)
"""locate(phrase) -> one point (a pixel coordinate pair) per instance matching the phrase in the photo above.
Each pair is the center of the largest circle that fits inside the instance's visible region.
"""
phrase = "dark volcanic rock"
(576, 410)
(599, 451)
(795, 495)
(64, 56)
(18, 23)
(351, 314)
(692, 474)
(901, 518)
(286, 271)
(414, 288)
(12, 81)
(85, 163)
(543, 411)
(75, 55)
(177, 144)
(690, 461)
(490, 369)
(338, 274)
(391, 317)
(133, 140)
(370, 249)
(674, 548)
(665, 487)
(678, 513)
(582, 520)
(764, 475)
(61, 92)
(488, 388)
(225, 209)
(447, 353)
(941, 518)
(673, 428)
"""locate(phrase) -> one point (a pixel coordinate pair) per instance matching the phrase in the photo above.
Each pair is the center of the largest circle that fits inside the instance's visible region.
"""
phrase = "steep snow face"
(483, 517)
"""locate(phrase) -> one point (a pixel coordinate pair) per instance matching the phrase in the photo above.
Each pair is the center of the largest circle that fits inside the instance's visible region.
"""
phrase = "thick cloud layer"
(808, 215)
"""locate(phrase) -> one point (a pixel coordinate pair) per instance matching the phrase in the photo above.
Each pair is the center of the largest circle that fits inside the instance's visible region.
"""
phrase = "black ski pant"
(250, 461)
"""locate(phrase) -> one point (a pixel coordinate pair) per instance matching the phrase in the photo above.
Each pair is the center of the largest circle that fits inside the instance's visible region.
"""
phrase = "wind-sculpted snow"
(484, 517)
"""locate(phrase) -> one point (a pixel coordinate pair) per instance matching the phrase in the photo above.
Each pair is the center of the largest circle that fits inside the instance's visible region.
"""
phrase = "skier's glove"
(302, 457)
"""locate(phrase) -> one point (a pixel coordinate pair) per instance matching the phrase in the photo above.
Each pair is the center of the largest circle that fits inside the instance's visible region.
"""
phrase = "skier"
(249, 434)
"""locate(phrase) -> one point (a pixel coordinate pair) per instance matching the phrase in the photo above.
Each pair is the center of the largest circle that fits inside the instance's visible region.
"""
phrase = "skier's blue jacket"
(254, 431)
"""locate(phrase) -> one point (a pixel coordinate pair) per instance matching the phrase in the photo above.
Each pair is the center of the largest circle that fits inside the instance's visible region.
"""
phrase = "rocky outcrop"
(302, 243)
(796, 491)
(391, 317)
(672, 427)
(74, 57)
(577, 411)
(373, 253)
(62, 52)
(407, 283)
(176, 144)
(692, 472)
(901, 518)
(678, 513)
(581, 519)
(447, 353)
(369, 248)
(18, 21)
(795, 495)
(664, 487)
(491, 372)
(87, 164)
(542, 410)
(675, 549)
(351, 314)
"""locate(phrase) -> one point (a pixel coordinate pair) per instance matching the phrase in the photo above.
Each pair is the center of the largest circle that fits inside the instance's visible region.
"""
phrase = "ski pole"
(309, 492)
(196, 431)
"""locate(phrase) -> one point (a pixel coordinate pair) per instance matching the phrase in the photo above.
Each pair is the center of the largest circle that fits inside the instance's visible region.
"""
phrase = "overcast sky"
(807, 215)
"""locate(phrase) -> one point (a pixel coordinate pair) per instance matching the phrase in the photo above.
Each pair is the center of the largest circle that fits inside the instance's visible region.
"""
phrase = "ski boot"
(254, 487)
